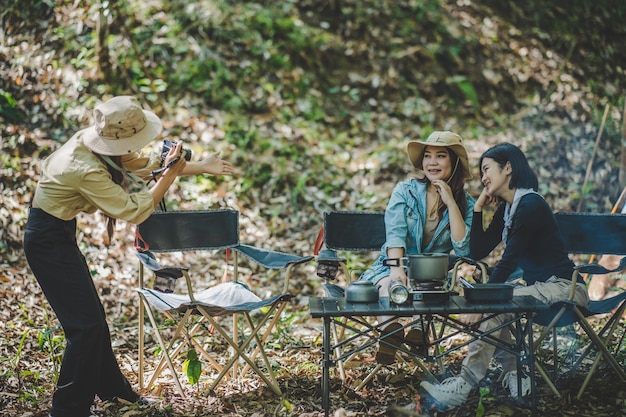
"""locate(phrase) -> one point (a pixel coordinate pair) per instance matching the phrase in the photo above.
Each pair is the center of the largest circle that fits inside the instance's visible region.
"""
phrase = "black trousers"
(89, 366)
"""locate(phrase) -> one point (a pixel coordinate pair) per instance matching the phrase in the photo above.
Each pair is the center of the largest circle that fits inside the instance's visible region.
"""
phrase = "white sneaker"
(451, 392)
(510, 382)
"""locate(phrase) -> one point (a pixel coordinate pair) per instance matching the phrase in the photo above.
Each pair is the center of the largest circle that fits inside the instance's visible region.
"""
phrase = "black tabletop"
(338, 307)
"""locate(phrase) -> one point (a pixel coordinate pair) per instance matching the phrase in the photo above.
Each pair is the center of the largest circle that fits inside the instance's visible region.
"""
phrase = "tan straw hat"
(440, 138)
(121, 126)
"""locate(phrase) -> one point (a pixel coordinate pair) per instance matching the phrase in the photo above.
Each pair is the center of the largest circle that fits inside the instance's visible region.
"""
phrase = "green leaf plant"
(192, 367)
(480, 409)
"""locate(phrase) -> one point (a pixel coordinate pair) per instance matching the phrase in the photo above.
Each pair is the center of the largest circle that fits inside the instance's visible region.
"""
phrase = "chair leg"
(555, 354)
(606, 333)
(202, 349)
(163, 363)
(163, 347)
(239, 352)
(610, 326)
(266, 334)
(171, 352)
(261, 351)
(369, 377)
(539, 368)
(599, 344)
(193, 342)
(235, 364)
(142, 364)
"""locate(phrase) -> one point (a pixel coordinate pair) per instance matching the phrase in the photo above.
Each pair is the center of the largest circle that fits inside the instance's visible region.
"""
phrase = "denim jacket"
(405, 218)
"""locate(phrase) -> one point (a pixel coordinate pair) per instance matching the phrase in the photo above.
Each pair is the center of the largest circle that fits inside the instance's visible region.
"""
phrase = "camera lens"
(398, 292)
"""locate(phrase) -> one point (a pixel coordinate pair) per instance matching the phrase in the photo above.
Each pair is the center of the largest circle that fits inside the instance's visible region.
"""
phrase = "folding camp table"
(334, 309)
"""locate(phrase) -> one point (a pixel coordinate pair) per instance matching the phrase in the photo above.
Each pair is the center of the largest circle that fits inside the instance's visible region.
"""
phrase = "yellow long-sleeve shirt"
(74, 180)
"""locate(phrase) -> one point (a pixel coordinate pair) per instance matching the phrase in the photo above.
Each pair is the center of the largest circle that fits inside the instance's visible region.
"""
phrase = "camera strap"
(136, 182)
(159, 171)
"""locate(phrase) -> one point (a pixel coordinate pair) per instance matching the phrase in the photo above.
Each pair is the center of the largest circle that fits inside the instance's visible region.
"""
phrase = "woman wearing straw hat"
(427, 214)
(98, 168)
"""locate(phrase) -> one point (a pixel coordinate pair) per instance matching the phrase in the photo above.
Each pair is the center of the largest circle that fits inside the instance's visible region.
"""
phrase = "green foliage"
(483, 392)
(192, 367)
(572, 29)
(53, 343)
(15, 10)
(465, 85)
(311, 100)
(8, 109)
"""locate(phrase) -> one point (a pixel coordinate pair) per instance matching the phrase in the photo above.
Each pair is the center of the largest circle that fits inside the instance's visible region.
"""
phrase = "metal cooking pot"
(362, 292)
(423, 267)
(428, 267)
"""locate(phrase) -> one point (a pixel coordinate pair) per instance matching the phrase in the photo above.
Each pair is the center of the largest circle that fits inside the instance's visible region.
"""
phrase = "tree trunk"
(102, 48)
(622, 168)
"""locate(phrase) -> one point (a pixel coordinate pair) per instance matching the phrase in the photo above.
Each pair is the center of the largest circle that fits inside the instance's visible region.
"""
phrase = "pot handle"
(466, 283)
(395, 262)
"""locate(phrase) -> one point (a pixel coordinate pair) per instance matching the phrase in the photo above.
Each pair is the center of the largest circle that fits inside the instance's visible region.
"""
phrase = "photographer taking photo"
(98, 168)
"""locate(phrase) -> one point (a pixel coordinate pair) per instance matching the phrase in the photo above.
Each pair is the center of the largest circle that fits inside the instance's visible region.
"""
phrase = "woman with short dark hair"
(525, 223)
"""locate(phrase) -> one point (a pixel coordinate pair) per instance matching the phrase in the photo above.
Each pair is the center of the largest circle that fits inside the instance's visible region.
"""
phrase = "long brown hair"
(118, 177)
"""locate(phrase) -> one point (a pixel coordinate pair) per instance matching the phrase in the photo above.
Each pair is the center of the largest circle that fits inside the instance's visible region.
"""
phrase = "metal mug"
(398, 292)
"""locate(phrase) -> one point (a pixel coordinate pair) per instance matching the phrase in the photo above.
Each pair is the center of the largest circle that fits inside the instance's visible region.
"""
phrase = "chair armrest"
(597, 269)
(273, 260)
(150, 262)
(169, 273)
(593, 269)
(269, 258)
(484, 268)
(470, 261)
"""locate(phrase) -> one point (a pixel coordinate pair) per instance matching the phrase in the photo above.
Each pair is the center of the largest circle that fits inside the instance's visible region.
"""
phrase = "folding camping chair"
(193, 312)
(359, 231)
(589, 233)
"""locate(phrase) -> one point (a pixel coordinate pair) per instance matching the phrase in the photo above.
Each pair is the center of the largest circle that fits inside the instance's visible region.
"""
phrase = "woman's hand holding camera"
(174, 164)
(174, 161)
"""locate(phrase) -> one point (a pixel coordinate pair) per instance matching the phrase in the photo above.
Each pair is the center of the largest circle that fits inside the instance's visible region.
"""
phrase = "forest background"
(313, 101)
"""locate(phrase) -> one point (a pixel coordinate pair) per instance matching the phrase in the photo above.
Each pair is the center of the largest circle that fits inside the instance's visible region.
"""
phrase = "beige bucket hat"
(448, 139)
(121, 127)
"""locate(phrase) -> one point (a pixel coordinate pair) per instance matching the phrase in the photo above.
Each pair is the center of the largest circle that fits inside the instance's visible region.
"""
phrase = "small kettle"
(362, 292)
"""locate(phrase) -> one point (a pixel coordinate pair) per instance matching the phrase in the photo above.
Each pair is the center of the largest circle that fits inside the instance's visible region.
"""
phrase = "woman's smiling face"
(495, 178)
(437, 163)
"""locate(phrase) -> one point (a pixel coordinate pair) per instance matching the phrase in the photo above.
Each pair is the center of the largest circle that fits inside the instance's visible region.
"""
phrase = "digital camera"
(169, 144)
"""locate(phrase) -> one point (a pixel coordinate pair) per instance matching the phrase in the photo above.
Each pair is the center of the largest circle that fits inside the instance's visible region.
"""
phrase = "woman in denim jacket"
(431, 213)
